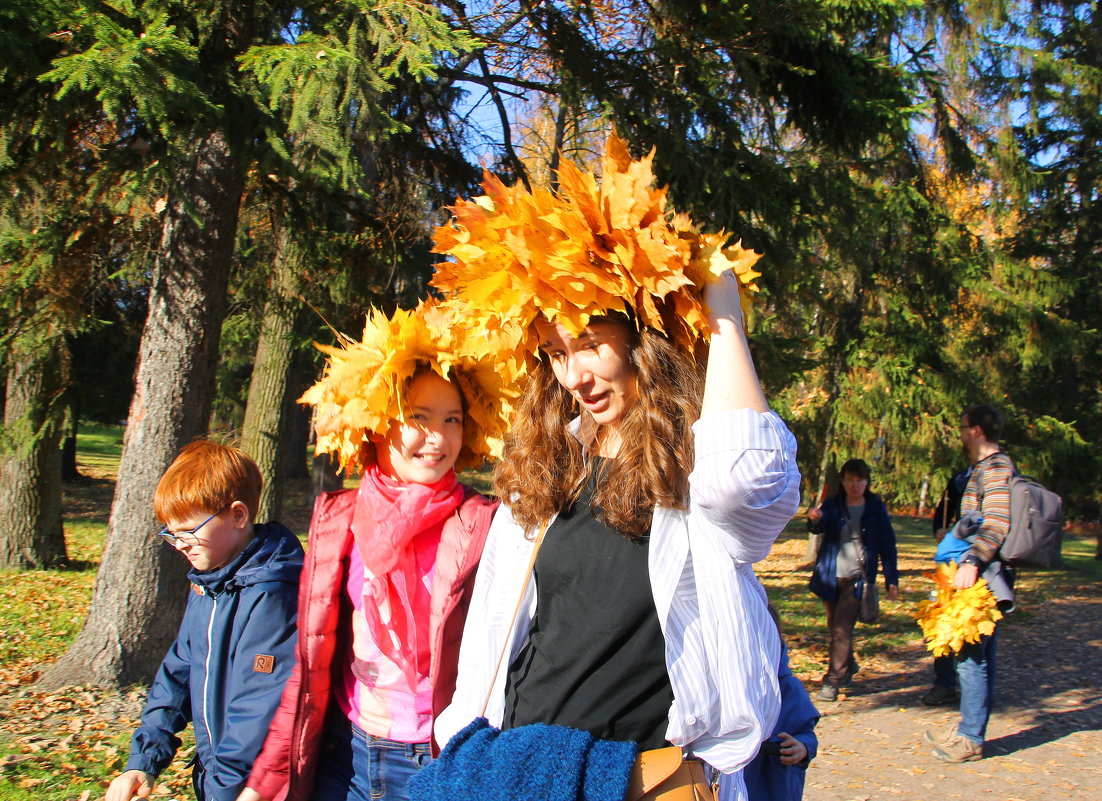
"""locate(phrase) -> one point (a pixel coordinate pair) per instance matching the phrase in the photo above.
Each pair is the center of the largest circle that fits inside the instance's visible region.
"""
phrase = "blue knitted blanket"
(538, 762)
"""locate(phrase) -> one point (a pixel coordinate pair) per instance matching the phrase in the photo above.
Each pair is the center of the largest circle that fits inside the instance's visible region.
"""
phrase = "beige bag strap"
(516, 612)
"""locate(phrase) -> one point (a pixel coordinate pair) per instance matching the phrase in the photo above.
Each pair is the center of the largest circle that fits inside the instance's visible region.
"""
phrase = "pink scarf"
(389, 515)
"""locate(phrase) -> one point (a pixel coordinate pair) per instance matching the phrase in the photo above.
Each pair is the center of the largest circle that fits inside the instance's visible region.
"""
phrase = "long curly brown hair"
(542, 469)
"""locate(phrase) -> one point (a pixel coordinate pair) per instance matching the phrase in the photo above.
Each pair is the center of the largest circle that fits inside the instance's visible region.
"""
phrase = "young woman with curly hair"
(658, 485)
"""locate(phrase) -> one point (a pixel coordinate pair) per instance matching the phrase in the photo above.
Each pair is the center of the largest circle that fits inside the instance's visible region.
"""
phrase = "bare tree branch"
(506, 133)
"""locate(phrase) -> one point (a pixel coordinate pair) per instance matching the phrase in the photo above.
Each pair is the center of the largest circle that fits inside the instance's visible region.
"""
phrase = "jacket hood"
(273, 554)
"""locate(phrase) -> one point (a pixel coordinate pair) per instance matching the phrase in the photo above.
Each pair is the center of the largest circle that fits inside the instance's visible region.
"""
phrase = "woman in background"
(857, 538)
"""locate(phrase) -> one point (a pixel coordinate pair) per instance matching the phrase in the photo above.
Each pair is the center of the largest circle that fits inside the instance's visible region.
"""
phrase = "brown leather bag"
(662, 774)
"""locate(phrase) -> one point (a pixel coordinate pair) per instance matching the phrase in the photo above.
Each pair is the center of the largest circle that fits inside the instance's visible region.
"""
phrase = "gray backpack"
(1036, 525)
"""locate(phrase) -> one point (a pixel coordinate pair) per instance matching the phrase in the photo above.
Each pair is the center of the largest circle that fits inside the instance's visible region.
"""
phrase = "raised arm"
(745, 479)
(731, 382)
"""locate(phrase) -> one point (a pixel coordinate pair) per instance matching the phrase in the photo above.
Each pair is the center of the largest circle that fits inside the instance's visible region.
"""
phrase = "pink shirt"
(374, 693)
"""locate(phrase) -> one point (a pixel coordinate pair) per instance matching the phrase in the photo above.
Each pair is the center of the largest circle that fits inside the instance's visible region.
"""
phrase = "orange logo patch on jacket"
(263, 663)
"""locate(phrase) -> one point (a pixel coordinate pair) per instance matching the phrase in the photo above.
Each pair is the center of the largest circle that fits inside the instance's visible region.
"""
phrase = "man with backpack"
(988, 494)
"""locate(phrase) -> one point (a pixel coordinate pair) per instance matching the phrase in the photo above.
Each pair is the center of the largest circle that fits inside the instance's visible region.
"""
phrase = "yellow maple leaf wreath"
(591, 248)
(361, 392)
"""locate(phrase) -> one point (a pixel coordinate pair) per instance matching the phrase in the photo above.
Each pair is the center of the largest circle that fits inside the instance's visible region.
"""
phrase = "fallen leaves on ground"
(69, 744)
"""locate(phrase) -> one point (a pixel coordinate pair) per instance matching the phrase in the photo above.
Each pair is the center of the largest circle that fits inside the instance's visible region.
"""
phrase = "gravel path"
(1044, 738)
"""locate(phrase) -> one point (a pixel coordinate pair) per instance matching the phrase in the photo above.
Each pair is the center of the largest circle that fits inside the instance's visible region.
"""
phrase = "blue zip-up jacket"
(226, 670)
(877, 535)
(766, 778)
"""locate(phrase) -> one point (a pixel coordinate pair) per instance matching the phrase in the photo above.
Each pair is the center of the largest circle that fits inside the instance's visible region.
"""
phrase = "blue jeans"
(976, 678)
(357, 766)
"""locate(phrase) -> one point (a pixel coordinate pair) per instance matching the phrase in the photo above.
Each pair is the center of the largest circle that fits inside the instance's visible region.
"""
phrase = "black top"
(594, 659)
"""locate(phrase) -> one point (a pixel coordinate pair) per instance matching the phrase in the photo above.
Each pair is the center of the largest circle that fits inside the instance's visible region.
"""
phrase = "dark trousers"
(841, 618)
(197, 780)
(945, 671)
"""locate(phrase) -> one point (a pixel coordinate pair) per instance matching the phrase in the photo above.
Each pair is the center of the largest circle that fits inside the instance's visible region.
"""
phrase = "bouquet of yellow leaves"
(589, 249)
(956, 617)
(361, 392)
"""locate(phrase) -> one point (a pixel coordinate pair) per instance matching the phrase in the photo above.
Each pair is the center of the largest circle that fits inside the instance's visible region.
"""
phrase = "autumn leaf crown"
(591, 248)
(362, 390)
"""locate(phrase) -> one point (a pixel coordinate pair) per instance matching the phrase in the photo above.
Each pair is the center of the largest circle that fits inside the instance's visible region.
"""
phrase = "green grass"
(40, 612)
(65, 745)
(65, 765)
(99, 446)
(481, 479)
(84, 540)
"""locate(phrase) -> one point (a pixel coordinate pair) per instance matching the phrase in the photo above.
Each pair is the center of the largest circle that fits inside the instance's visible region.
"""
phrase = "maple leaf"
(956, 617)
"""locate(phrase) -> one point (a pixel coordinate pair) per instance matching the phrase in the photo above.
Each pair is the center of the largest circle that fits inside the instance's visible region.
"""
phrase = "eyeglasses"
(188, 537)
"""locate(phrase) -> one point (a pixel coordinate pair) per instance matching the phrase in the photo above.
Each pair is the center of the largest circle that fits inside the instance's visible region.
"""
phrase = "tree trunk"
(828, 476)
(140, 590)
(324, 475)
(31, 534)
(266, 430)
(828, 467)
(300, 439)
(70, 471)
(297, 465)
(846, 328)
(923, 493)
(556, 148)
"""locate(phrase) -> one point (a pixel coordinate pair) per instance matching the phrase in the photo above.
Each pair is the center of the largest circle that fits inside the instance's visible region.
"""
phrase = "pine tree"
(206, 82)
(65, 215)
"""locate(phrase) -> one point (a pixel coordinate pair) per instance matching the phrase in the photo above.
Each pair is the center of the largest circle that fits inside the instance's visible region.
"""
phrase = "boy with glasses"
(226, 670)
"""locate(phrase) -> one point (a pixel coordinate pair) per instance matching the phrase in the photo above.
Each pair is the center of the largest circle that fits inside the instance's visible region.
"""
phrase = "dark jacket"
(948, 508)
(227, 668)
(877, 536)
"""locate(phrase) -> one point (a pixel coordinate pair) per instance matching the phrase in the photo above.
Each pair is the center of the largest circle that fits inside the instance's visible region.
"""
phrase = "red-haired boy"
(226, 670)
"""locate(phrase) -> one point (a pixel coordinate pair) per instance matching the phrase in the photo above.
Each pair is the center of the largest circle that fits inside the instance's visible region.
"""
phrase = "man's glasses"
(187, 537)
